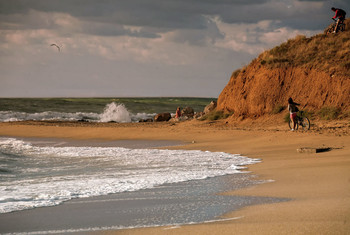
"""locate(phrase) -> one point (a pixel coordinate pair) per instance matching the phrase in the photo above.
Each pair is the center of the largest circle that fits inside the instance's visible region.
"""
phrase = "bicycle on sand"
(302, 121)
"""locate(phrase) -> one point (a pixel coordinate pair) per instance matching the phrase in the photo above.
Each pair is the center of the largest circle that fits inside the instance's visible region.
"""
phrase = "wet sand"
(318, 184)
(132, 144)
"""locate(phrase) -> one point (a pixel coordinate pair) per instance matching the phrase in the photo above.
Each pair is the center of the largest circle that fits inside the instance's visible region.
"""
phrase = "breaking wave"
(115, 113)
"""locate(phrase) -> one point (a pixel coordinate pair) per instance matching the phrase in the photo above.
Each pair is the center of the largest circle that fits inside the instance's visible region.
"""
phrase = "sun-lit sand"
(318, 184)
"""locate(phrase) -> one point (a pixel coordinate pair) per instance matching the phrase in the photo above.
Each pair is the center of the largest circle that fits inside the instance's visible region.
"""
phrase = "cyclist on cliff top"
(340, 14)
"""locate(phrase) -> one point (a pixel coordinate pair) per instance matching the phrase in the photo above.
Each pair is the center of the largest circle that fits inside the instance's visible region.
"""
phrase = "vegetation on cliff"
(314, 71)
(327, 53)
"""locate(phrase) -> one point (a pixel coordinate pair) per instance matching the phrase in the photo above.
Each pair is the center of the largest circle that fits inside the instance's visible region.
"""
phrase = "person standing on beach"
(178, 113)
(293, 109)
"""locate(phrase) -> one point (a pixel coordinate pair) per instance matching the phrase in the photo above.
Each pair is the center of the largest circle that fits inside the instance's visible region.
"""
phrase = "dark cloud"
(108, 29)
(163, 14)
(102, 7)
(107, 17)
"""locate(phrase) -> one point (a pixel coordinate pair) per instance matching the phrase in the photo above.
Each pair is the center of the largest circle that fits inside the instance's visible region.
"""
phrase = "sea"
(120, 110)
(45, 173)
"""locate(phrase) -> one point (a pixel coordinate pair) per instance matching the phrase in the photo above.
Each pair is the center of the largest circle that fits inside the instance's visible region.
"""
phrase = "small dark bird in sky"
(55, 45)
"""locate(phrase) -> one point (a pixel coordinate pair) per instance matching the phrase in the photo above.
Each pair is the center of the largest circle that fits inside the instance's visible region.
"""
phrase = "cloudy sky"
(142, 47)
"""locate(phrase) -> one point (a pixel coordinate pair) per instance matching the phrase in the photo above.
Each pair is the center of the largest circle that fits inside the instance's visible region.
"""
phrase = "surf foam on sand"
(37, 176)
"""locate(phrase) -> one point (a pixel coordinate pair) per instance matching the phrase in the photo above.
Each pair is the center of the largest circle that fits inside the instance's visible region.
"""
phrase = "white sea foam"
(47, 176)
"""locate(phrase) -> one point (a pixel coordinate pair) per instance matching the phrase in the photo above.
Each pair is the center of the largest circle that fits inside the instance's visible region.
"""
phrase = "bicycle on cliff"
(331, 28)
(301, 120)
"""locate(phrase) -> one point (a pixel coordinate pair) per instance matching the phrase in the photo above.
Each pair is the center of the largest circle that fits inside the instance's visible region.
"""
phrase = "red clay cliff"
(313, 71)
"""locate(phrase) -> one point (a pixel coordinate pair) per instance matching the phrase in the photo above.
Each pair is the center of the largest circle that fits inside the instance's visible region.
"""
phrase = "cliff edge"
(314, 71)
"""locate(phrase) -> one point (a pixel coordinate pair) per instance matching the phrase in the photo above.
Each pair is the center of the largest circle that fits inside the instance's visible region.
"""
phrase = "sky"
(143, 48)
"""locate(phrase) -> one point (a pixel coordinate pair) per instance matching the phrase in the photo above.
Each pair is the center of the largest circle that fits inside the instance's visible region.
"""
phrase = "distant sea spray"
(115, 113)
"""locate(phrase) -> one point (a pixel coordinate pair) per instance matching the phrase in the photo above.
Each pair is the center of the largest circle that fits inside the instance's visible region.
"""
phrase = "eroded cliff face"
(257, 90)
(285, 71)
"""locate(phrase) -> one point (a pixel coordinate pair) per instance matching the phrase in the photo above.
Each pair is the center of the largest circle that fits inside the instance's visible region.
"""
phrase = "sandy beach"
(317, 182)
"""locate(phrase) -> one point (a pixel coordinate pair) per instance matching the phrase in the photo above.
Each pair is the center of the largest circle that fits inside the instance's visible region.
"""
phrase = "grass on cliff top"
(328, 53)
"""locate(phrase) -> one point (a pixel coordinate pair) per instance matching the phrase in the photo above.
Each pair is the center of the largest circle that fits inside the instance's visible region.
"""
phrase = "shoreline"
(317, 183)
(182, 203)
(175, 204)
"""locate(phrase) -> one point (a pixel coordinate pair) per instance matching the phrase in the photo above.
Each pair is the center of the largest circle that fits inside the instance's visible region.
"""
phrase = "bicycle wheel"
(342, 27)
(330, 29)
(291, 125)
(305, 123)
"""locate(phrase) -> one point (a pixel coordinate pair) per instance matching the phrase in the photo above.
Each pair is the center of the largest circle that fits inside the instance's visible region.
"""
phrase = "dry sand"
(317, 183)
